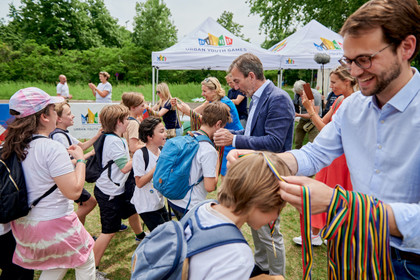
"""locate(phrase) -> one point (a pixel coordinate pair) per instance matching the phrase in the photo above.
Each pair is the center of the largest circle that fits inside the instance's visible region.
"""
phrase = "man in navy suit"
(269, 128)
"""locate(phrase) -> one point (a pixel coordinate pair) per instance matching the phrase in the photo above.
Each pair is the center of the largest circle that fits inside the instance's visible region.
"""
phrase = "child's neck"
(153, 148)
(118, 133)
(208, 130)
(238, 220)
(133, 115)
(61, 126)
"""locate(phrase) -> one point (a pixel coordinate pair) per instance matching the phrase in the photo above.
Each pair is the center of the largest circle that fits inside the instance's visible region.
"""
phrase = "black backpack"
(13, 194)
(94, 167)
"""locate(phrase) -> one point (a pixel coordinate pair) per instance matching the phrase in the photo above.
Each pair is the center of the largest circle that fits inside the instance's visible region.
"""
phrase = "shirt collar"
(260, 90)
(404, 97)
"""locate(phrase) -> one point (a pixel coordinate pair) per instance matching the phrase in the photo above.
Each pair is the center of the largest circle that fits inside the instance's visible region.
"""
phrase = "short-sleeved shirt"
(203, 164)
(46, 159)
(241, 107)
(170, 118)
(231, 261)
(107, 99)
(132, 131)
(114, 148)
(63, 90)
(146, 198)
(60, 137)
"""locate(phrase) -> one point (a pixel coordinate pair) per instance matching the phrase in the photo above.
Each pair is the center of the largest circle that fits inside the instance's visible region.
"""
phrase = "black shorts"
(83, 197)
(112, 211)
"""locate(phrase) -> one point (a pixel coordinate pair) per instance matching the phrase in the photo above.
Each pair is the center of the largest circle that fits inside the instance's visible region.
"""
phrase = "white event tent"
(298, 50)
(209, 46)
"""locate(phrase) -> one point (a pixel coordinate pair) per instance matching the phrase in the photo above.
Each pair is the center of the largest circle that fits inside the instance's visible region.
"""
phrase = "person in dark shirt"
(239, 99)
(329, 102)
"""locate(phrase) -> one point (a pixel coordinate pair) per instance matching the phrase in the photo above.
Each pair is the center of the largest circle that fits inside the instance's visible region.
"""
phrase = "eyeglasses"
(362, 61)
(209, 80)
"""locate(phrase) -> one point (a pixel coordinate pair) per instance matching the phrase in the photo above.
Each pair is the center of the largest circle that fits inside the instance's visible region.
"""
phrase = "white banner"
(86, 119)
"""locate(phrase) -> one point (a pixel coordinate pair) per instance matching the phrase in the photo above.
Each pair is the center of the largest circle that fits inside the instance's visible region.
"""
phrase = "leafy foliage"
(280, 18)
(63, 24)
(226, 20)
(153, 28)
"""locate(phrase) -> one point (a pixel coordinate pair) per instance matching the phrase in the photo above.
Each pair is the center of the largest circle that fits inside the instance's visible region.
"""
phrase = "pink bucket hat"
(29, 101)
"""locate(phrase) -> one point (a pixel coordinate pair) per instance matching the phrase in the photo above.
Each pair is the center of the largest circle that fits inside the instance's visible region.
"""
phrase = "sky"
(186, 14)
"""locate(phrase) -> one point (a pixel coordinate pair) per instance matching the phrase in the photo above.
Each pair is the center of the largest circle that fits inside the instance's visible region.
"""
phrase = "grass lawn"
(185, 92)
(117, 259)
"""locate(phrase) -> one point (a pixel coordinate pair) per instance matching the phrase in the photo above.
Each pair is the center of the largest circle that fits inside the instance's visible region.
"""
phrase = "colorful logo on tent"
(212, 40)
(290, 61)
(90, 118)
(279, 46)
(328, 45)
(161, 58)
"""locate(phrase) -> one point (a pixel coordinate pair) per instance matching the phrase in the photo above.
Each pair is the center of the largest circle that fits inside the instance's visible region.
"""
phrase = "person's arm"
(71, 184)
(200, 109)
(88, 143)
(238, 99)
(134, 144)
(141, 181)
(210, 183)
(93, 88)
(127, 167)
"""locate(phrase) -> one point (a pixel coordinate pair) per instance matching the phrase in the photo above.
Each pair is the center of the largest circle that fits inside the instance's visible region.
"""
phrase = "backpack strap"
(134, 119)
(204, 239)
(145, 157)
(110, 162)
(59, 130)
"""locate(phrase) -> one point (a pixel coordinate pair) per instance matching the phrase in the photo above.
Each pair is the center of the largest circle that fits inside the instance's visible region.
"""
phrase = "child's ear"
(219, 124)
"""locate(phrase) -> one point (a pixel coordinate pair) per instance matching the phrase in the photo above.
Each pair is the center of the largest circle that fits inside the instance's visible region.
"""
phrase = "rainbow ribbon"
(358, 237)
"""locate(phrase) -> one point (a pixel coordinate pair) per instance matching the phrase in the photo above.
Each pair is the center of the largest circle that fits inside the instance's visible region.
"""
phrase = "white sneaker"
(101, 275)
(316, 240)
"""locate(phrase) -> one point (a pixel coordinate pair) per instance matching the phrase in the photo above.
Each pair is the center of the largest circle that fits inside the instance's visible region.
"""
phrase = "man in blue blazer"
(269, 128)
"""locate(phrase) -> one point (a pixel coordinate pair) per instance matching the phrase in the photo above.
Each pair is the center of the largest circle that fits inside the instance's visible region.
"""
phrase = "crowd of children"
(125, 192)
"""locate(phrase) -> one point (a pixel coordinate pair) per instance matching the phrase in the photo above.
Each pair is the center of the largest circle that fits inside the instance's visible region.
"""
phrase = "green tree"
(63, 24)
(279, 18)
(226, 20)
(153, 28)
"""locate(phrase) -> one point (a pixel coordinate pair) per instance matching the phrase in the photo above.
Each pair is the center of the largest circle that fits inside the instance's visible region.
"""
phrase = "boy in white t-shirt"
(250, 197)
(149, 203)
(111, 199)
(205, 162)
(65, 118)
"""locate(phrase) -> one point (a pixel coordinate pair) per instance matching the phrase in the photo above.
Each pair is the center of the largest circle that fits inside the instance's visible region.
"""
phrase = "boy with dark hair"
(149, 203)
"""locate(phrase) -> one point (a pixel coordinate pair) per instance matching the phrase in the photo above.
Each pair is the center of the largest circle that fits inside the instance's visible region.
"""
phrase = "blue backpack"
(162, 253)
(172, 173)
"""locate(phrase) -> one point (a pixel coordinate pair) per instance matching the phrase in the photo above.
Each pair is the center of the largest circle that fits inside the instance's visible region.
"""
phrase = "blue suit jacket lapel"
(261, 103)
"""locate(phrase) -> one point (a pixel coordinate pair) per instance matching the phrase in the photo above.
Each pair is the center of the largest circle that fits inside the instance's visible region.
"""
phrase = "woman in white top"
(102, 92)
(50, 238)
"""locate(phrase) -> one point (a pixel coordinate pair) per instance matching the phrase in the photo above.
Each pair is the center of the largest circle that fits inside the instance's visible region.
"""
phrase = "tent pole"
(280, 79)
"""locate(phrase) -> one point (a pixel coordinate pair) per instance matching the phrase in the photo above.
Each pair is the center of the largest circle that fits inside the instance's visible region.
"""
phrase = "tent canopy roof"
(298, 50)
(210, 46)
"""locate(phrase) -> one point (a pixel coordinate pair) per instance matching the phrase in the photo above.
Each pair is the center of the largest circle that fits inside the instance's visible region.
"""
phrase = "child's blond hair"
(59, 107)
(132, 99)
(249, 183)
(111, 114)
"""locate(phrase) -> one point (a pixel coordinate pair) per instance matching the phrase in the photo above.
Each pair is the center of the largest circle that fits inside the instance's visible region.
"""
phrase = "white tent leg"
(280, 82)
